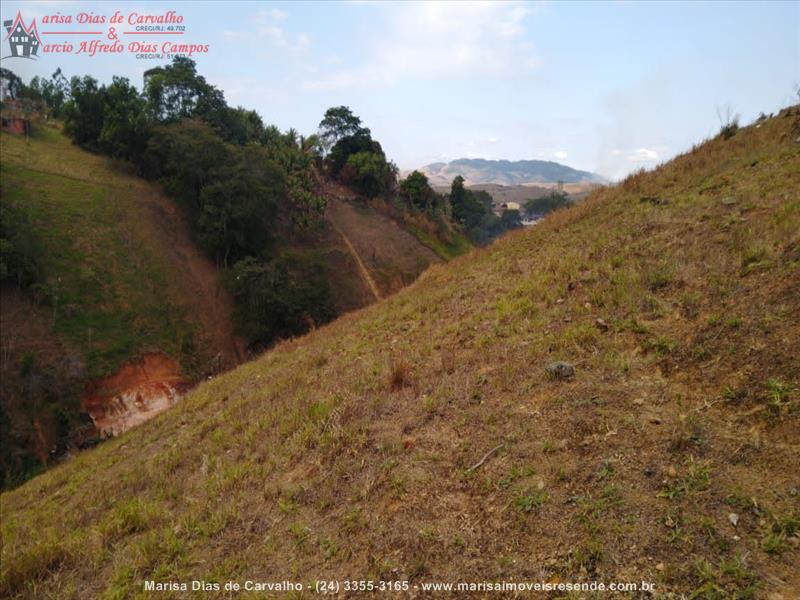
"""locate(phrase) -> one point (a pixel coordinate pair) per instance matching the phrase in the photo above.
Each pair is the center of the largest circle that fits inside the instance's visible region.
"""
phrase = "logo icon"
(24, 41)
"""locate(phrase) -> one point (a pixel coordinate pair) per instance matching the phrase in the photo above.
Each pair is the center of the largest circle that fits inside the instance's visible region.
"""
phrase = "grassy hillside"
(354, 452)
(117, 276)
(107, 274)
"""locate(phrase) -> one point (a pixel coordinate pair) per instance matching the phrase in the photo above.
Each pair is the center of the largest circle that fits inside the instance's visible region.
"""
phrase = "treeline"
(537, 208)
(247, 186)
(358, 161)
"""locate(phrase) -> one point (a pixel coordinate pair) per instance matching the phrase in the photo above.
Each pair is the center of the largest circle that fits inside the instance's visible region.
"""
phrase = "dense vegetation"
(538, 207)
(473, 210)
(246, 186)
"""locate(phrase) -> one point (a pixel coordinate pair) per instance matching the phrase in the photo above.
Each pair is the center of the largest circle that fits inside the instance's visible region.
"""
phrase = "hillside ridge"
(355, 451)
(477, 171)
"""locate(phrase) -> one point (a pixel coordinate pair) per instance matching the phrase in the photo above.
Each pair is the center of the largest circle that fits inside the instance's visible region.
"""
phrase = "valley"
(429, 435)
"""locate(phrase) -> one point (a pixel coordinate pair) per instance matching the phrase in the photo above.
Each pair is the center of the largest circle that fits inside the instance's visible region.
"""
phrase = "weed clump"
(399, 374)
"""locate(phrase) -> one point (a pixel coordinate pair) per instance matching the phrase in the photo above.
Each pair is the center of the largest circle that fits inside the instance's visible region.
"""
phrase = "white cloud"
(278, 15)
(644, 155)
(440, 40)
(640, 155)
(560, 154)
(268, 26)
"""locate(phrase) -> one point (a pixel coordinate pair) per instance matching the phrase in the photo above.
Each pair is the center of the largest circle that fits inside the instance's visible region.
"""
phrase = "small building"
(13, 119)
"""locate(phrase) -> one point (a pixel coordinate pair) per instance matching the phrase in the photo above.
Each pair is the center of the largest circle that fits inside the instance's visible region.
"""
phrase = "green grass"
(446, 250)
(106, 287)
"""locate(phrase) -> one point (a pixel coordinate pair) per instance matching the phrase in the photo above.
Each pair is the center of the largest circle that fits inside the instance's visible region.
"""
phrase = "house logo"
(24, 41)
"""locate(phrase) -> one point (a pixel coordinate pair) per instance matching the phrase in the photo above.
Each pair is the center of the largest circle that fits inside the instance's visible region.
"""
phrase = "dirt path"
(387, 256)
(362, 268)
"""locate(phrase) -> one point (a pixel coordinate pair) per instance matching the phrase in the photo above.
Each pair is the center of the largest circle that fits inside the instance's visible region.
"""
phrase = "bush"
(280, 298)
(369, 174)
(19, 248)
(546, 204)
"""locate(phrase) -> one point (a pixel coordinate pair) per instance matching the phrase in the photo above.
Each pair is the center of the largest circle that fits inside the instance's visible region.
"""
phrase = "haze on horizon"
(604, 87)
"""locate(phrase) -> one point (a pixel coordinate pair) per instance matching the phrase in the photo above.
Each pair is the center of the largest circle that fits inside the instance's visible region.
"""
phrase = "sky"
(608, 87)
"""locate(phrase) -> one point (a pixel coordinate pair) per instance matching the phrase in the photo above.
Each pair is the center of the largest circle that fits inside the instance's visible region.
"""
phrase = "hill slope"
(368, 255)
(355, 452)
(119, 278)
(506, 172)
(125, 298)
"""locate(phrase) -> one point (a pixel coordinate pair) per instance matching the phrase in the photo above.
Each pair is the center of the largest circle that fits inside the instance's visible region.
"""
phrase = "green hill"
(114, 275)
(422, 439)
(117, 276)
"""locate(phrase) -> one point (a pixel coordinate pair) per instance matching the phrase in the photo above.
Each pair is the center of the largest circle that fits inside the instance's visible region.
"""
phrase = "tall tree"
(339, 122)
(85, 112)
(125, 130)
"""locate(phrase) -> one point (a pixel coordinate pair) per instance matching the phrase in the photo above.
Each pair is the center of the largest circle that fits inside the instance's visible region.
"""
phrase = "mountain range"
(506, 172)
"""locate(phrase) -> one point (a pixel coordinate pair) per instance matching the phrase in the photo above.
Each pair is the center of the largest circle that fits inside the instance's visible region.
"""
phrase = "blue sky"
(607, 87)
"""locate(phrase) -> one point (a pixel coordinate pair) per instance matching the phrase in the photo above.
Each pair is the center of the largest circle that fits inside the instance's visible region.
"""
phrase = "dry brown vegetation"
(311, 463)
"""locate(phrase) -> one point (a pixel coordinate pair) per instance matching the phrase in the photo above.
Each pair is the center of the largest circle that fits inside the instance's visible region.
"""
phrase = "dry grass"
(312, 462)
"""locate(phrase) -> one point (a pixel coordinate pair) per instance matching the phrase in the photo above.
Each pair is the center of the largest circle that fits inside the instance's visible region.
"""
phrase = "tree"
(125, 129)
(241, 126)
(85, 112)
(185, 157)
(417, 192)
(279, 298)
(510, 219)
(57, 92)
(468, 209)
(52, 92)
(177, 91)
(349, 145)
(339, 122)
(19, 249)
(542, 206)
(369, 174)
(238, 208)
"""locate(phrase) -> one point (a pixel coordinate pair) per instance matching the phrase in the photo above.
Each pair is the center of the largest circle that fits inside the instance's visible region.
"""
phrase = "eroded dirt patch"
(137, 392)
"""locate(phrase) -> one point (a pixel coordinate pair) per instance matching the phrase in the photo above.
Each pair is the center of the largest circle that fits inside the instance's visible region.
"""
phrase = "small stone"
(560, 301)
(655, 420)
(560, 370)
(672, 471)
(734, 519)
(729, 201)
(649, 472)
(601, 324)
(638, 401)
(588, 305)
(540, 485)
(660, 567)
(794, 541)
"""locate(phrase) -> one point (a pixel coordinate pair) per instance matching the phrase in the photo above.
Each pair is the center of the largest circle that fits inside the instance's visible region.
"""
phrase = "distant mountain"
(506, 172)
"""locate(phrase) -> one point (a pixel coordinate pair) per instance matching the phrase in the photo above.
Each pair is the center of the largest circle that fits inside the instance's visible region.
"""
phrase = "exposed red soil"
(137, 392)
